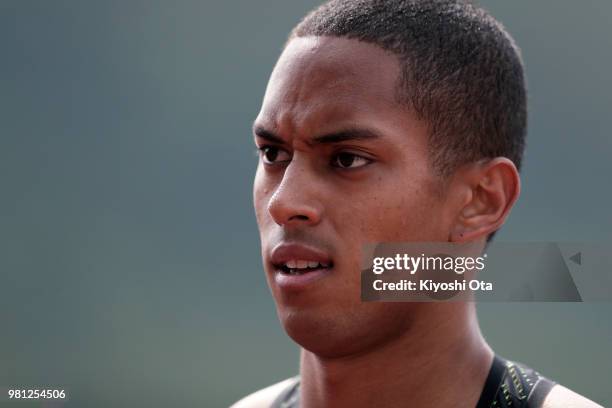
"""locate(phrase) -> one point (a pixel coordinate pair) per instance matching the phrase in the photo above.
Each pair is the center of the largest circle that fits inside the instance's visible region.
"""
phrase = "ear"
(488, 190)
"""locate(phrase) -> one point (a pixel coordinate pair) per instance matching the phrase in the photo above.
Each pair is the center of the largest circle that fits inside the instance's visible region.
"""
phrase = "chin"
(333, 334)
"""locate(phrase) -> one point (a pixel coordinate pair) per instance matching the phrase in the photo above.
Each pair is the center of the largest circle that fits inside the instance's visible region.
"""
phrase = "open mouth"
(301, 267)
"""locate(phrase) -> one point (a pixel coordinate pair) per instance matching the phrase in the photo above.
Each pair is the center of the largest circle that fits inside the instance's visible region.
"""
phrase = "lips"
(298, 259)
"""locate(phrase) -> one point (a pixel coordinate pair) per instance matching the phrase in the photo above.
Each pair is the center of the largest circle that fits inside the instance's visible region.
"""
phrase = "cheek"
(394, 216)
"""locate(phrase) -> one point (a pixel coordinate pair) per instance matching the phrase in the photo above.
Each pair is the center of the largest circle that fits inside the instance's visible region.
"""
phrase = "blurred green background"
(130, 266)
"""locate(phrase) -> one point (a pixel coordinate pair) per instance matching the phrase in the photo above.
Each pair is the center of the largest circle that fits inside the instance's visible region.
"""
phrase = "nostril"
(287, 208)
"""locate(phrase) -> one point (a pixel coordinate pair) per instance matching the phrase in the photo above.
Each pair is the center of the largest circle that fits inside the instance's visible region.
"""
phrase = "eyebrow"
(334, 137)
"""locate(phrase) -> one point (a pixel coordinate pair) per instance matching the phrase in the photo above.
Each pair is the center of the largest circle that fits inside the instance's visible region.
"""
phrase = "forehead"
(318, 80)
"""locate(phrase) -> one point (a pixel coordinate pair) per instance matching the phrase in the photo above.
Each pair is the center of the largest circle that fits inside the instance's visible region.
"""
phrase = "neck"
(444, 351)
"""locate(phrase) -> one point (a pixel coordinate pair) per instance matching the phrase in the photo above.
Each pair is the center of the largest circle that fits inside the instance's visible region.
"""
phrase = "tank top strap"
(288, 398)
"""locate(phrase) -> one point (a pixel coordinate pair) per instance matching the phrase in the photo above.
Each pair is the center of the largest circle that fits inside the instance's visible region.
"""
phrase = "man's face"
(342, 165)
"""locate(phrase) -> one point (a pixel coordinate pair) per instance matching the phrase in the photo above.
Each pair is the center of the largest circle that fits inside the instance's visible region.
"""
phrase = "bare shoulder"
(561, 397)
(264, 397)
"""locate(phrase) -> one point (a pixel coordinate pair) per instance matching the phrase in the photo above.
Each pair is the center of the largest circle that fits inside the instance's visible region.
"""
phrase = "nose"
(295, 201)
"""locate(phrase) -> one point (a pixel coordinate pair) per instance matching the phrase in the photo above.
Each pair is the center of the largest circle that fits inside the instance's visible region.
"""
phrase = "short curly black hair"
(462, 73)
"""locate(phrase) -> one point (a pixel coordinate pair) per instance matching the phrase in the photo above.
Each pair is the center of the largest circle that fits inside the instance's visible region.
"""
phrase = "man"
(389, 121)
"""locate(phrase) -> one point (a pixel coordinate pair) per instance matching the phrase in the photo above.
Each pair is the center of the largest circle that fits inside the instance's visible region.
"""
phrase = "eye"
(273, 155)
(346, 160)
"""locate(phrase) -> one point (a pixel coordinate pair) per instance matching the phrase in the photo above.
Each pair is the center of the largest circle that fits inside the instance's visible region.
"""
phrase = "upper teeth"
(302, 264)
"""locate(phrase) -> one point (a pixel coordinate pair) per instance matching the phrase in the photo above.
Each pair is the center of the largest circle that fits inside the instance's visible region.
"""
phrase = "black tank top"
(508, 385)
